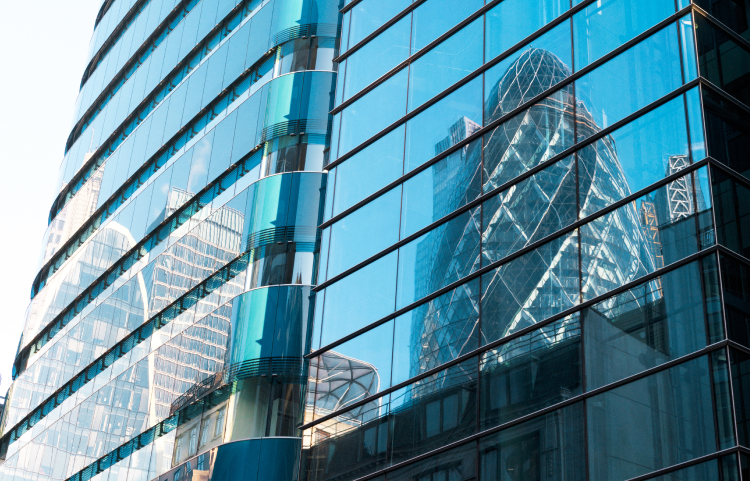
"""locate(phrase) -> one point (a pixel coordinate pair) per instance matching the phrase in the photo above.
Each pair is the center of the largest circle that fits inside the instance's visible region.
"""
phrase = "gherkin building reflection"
(538, 369)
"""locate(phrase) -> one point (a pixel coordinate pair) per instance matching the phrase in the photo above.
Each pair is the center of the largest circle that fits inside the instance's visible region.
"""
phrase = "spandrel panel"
(529, 211)
(382, 106)
(377, 57)
(631, 416)
(440, 257)
(531, 372)
(436, 332)
(633, 157)
(430, 21)
(512, 21)
(446, 64)
(444, 124)
(530, 288)
(369, 170)
(364, 232)
(603, 26)
(635, 78)
(359, 299)
(643, 327)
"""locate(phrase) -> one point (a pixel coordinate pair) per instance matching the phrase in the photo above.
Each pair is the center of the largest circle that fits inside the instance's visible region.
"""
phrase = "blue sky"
(41, 70)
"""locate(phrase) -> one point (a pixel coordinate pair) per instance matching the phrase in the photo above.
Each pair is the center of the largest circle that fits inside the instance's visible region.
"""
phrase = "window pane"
(436, 332)
(644, 327)
(444, 124)
(531, 288)
(630, 81)
(546, 447)
(365, 232)
(627, 425)
(529, 211)
(377, 57)
(512, 21)
(430, 19)
(441, 189)
(442, 256)
(603, 26)
(531, 372)
(359, 299)
(373, 112)
(445, 64)
(369, 170)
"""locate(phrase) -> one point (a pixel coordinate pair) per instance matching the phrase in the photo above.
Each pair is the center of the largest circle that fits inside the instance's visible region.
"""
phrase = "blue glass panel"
(431, 21)
(365, 232)
(530, 288)
(444, 124)
(377, 57)
(603, 26)
(630, 81)
(442, 256)
(512, 21)
(528, 72)
(359, 299)
(446, 64)
(441, 189)
(630, 416)
(645, 326)
(529, 211)
(373, 112)
(436, 332)
(369, 15)
(633, 157)
(689, 56)
(369, 170)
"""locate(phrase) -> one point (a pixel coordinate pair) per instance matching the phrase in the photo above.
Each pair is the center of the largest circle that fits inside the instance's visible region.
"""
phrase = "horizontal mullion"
(563, 83)
(692, 462)
(570, 150)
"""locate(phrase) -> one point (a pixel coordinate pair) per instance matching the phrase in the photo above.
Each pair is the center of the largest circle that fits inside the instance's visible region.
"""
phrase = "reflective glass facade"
(315, 240)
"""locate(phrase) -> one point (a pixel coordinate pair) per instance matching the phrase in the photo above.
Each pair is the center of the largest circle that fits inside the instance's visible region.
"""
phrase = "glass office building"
(431, 240)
